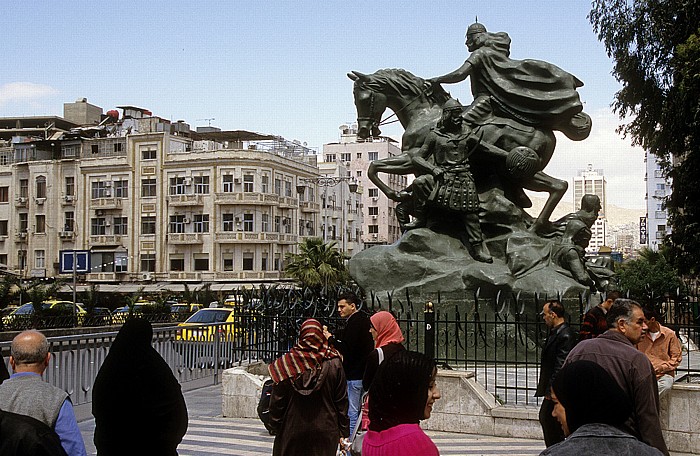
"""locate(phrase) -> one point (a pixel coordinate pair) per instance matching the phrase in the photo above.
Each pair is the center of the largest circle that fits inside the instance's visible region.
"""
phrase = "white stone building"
(658, 188)
(592, 181)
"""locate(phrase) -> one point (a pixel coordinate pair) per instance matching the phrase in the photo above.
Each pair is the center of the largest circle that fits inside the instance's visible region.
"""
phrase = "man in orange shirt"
(663, 349)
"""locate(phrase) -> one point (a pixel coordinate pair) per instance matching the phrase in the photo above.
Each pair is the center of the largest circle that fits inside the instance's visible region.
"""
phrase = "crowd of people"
(358, 387)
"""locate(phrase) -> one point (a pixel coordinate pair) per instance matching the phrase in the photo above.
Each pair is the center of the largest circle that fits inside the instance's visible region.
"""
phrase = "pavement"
(209, 433)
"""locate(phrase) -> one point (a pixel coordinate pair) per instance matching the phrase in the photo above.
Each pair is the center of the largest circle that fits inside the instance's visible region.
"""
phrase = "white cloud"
(24, 92)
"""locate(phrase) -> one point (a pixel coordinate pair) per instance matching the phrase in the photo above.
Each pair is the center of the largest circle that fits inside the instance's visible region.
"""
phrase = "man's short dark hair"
(350, 298)
(613, 295)
(556, 306)
(620, 309)
(650, 312)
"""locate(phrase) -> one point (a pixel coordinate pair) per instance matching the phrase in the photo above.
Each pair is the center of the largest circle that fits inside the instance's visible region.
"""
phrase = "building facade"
(379, 223)
(658, 189)
(592, 181)
(153, 201)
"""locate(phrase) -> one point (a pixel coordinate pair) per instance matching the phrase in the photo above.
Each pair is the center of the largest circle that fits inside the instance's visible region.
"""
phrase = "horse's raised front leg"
(400, 164)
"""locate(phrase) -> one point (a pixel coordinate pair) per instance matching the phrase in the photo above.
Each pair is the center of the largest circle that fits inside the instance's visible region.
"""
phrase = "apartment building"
(379, 224)
(151, 201)
(592, 181)
(658, 189)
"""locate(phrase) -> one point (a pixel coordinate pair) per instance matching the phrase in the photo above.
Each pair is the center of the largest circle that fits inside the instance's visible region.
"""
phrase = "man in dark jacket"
(355, 344)
(559, 343)
(594, 323)
(614, 351)
(22, 435)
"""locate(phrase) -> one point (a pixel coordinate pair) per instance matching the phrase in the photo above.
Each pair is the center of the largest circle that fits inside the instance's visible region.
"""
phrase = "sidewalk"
(210, 434)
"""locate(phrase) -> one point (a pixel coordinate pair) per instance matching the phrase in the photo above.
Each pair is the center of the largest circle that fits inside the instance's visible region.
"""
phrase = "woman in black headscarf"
(591, 407)
(137, 402)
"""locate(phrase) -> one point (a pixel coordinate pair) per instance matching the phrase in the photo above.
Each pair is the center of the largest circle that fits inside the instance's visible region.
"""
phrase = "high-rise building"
(658, 188)
(379, 225)
(592, 181)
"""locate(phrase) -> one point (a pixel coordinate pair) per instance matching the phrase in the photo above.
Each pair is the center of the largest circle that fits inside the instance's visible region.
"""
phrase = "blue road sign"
(82, 261)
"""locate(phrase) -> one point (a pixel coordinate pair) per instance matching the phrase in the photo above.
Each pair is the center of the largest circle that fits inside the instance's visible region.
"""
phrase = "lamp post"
(326, 182)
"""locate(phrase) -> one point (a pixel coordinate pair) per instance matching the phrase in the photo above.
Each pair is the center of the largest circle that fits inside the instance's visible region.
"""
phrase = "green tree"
(656, 50)
(317, 265)
(650, 278)
(8, 289)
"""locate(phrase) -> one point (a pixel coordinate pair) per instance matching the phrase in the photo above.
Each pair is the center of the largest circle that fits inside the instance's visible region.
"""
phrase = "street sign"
(82, 261)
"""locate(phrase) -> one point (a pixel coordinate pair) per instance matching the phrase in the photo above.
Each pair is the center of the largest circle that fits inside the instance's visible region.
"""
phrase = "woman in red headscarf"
(309, 401)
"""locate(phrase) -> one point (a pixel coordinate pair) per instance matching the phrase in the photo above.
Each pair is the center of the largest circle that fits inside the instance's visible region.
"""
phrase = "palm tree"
(8, 288)
(317, 264)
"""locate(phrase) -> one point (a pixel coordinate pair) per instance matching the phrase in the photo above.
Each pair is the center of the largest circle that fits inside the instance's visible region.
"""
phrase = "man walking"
(594, 323)
(26, 393)
(614, 351)
(663, 349)
(559, 343)
(354, 343)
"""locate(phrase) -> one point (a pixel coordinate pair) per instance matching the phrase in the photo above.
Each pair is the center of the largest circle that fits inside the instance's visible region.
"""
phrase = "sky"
(280, 67)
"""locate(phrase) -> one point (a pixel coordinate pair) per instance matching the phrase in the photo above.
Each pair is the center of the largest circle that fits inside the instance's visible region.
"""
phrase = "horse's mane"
(404, 82)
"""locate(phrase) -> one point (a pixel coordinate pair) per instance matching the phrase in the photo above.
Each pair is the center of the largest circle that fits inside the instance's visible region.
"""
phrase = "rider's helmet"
(475, 28)
(452, 105)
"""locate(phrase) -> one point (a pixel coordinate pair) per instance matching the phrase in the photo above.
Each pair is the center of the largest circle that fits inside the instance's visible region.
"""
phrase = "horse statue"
(518, 153)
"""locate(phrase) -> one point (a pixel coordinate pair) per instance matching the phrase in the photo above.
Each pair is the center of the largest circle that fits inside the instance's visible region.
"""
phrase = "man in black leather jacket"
(560, 341)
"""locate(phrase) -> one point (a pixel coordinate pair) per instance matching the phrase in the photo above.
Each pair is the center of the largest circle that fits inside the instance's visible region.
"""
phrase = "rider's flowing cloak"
(534, 92)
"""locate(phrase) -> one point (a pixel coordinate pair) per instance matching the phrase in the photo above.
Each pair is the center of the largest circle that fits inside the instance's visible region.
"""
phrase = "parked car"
(57, 313)
(98, 316)
(182, 310)
(142, 308)
(201, 326)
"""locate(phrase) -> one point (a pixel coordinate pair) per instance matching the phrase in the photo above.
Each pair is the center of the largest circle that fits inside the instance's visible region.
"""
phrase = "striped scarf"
(309, 352)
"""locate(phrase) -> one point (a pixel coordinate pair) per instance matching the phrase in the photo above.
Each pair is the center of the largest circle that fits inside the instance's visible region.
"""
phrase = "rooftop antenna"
(207, 120)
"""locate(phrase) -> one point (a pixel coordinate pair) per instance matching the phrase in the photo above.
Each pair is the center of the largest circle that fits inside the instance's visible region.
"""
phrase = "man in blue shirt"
(26, 393)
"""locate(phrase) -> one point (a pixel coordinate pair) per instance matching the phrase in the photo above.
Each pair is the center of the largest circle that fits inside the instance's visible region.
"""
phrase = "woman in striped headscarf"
(309, 401)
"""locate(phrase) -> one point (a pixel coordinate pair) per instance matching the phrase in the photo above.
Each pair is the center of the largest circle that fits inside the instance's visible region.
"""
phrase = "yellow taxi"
(205, 323)
(62, 310)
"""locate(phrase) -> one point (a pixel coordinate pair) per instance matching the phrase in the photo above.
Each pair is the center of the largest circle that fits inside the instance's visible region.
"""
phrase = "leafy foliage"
(317, 264)
(8, 289)
(656, 50)
(649, 278)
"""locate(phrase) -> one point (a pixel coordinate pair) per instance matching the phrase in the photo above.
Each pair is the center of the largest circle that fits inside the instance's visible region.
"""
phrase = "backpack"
(264, 405)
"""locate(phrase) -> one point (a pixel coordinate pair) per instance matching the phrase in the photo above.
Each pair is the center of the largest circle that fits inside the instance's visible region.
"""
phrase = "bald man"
(26, 393)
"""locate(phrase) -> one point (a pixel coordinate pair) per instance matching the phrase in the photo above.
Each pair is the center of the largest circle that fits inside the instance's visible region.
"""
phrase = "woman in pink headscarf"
(388, 341)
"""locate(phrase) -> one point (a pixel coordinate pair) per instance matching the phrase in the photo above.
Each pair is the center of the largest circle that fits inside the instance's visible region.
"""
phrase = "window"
(24, 188)
(23, 222)
(287, 188)
(177, 263)
(201, 185)
(248, 260)
(177, 185)
(229, 223)
(40, 259)
(278, 222)
(373, 192)
(148, 187)
(41, 187)
(373, 229)
(70, 186)
(40, 224)
(3, 229)
(120, 225)
(100, 189)
(661, 186)
(121, 189)
(265, 183)
(265, 223)
(177, 224)
(228, 261)
(70, 150)
(228, 184)
(148, 262)
(330, 157)
(148, 224)
(201, 223)
(22, 259)
(287, 223)
(346, 157)
(248, 222)
(278, 187)
(148, 152)
(373, 210)
(248, 183)
(201, 261)
(359, 155)
(69, 221)
(359, 173)
(4, 194)
(263, 262)
(98, 226)
(3, 258)
(371, 156)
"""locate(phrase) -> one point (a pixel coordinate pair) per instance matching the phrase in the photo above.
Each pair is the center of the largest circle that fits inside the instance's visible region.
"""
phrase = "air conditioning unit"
(188, 181)
(22, 235)
(375, 198)
(146, 276)
(107, 193)
(66, 234)
(108, 223)
(99, 212)
(186, 221)
(237, 220)
(108, 184)
(21, 199)
(68, 197)
(39, 201)
(375, 236)
(374, 217)
(237, 180)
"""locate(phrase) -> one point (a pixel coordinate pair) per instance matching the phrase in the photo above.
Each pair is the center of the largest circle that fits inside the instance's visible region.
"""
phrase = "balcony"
(22, 201)
(288, 202)
(310, 206)
(660, 234)
(245, 237)
(265, 199)
(21, 237)
(249, 275)
(186, 200)
(68, 200)
(106, 239)
(102, 277)
(181, 275)
(106, 203)
(66, 235)
(185, 238)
